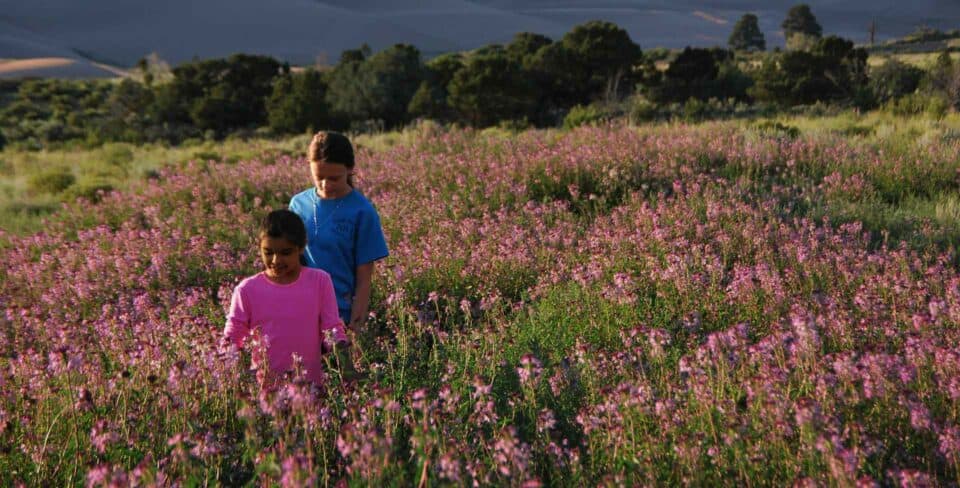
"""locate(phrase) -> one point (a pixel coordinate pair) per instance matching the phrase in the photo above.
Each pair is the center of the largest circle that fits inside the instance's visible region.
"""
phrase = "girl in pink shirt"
(293, 306)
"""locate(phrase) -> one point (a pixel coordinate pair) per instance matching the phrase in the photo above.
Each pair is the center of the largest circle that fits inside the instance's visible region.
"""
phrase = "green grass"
(903, 202)
(119, 166)
(920, 60)
(878, 127)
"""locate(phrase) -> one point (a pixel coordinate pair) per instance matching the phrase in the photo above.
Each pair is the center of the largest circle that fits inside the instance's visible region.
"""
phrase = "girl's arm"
(331, 327)
(329, 315)
(361, 296)
(370, 248)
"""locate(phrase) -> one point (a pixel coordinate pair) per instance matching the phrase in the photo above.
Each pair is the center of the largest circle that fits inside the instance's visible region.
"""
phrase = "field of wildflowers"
(693, 305)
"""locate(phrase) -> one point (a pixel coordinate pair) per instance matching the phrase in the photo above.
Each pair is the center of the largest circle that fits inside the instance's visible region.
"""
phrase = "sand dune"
(56, 68)
(119, 32)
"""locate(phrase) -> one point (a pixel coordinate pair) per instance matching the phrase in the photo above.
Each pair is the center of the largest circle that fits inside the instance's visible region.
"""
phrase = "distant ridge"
(305, 32)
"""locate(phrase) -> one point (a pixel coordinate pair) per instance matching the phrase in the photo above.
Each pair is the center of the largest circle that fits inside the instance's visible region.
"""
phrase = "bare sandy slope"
(119, 32)
(56, 68)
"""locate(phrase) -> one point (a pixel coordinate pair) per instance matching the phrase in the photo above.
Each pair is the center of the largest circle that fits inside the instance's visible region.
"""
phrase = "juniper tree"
(800, 20)
(746, 35)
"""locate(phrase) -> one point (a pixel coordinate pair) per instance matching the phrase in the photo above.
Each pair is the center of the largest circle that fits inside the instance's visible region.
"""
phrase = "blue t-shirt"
(342, 233)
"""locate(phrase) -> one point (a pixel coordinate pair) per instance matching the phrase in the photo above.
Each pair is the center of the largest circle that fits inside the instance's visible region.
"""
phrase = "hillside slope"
(119, 32)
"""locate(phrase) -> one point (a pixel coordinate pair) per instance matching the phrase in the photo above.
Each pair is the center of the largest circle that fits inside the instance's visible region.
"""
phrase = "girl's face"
(281, 259)
(330, 179)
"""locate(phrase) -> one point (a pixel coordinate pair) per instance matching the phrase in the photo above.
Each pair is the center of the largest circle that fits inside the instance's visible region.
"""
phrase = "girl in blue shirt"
(344, 237)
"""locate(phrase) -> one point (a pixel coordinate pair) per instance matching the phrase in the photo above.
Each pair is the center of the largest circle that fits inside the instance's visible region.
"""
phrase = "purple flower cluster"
(607, 306)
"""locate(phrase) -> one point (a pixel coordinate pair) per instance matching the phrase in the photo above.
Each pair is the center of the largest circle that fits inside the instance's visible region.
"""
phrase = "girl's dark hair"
(332, 147)
(284, 224)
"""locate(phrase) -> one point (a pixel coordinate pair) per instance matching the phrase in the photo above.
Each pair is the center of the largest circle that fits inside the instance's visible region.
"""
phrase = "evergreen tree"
(489, 89)
(395, 73)
(894, 79)
(346, 88)
(834, 70)
(746, 35)
(525, 45)
(356, 55)
(219, 95)
(298, 103)
(602, 59)
(376, 87)
(127, 114)
(554, 70)
(944, 79)
(800, 20)
(698, 73)
(430, 99)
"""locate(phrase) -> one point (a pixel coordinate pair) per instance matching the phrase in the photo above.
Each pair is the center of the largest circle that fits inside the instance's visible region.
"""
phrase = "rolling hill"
(118, 32)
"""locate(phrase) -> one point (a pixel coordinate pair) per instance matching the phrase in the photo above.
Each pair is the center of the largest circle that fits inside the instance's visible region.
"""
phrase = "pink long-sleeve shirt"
(293, 318)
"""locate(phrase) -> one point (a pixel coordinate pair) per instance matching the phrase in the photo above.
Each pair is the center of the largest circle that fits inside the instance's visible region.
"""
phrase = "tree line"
(593, 71)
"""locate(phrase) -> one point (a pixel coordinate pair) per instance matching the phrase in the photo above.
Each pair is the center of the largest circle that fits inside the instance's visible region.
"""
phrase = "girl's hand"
(356, 325)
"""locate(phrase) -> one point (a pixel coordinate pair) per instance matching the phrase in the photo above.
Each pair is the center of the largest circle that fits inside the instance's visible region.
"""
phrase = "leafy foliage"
(378, 87)
(298, 103)
(490, 88)
(800, 20)
(894, 79)
(834, 70)
(593, 114)
(45, 112)
(533, 80)
(221, 94)
(52, 181)
(700, 74)
(603, 57)
(746, 35)
(944, 79)
(430, 99)
(128, 116)
(524, 46)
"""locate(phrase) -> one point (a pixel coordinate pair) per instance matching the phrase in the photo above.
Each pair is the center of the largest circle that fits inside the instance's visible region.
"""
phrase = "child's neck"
(333, 196)
(284, 279)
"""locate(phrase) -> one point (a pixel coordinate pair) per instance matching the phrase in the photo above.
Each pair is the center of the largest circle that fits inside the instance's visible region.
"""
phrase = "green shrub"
(206, 156)
(857, 131)
(24, 217)
(918, 104)
(907, 106)
(236, 157)
(643, 110)
(52, 131)
(92, 190)
(120, 155)
(695, 110)
(938, 107)
(776, 129)
(514, 125)
(592, 114)
(28, 208)
(191, 141)
(51, 181)
(894, 79)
